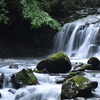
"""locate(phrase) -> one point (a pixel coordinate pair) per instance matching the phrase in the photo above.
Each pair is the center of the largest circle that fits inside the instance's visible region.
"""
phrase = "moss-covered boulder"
(84, 67)
(24, 77)
(58, 63)
(77, 86)
(95, 62)
(63, 78)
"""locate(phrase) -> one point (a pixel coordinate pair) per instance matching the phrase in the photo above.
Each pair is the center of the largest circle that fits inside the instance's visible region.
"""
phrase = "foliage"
(3, 12)
(39, 12)
(37, 16)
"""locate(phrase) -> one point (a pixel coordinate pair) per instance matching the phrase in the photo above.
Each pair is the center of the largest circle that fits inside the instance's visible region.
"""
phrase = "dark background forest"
(28, 27)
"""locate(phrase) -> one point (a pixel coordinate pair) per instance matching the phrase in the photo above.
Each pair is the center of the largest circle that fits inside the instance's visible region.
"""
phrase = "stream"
(79, 40)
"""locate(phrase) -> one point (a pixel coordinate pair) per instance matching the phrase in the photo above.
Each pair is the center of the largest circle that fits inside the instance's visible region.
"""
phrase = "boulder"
(24, 77)
(95, 62)
(77, 86)
(58, 63)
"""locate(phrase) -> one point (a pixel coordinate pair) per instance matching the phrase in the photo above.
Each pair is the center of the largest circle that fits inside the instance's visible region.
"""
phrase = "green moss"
(80, 81)
(87, 66)
(73, 74)
(37, 71)
(59, 55)
(27, 77)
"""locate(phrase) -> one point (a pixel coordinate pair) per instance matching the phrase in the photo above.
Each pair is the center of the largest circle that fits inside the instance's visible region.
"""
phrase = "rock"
(12, 91)
(70, 75)
(84, 67)
(44, 71)
(79, 98)
(58, 63)
(95, 62)
(1, 79)
(87, 67)
(0, 95)
(93, 48)
(24, 77)
(77, 86)
(92, 11)
(14, 66)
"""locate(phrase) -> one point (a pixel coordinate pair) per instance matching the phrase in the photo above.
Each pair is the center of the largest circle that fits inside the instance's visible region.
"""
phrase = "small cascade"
(80, 39)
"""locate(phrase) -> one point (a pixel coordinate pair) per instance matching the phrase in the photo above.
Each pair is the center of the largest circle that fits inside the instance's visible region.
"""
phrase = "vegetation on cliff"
(39, 12)
(34, 23)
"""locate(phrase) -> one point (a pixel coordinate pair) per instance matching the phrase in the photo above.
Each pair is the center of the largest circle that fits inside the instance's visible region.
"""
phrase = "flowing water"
(80, 40)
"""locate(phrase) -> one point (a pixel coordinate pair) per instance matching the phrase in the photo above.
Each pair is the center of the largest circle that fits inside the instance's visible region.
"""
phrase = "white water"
(47, 89)
(80, 39)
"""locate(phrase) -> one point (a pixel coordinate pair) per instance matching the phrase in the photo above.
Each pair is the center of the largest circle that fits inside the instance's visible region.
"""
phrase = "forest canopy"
(41, 12)
(31, 10)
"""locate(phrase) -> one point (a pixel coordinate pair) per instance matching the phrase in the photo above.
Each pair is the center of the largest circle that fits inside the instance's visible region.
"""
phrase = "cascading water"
(80, 39)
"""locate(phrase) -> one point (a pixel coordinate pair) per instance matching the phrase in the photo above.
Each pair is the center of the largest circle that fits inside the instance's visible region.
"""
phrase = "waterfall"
(80, 39)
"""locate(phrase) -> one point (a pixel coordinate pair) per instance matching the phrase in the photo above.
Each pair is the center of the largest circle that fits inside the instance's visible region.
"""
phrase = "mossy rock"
(36, 71)
(24, 77)
(66, 77)
(58, 63)
(77, 86)
(72, 74)
(95, 62)
(85, 67)
(44, 71)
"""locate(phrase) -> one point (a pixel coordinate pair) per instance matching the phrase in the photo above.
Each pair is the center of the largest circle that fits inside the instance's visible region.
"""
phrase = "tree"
(3, 12)
(31, 10)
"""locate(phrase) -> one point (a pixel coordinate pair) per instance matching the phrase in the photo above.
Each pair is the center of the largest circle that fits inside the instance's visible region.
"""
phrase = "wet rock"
(12, 91)
(93, 48)
(0, 95)
(44, 71)
(24, 77)
(70, 75)
(76, 87)
(14, 66)
(95, 62)
(1, 79)
(79, 98)
(58, 63)
(84, 67)
(92, 11)
(77, 66)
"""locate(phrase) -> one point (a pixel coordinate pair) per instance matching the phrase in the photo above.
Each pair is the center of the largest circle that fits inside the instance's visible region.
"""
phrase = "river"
(80, 40)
